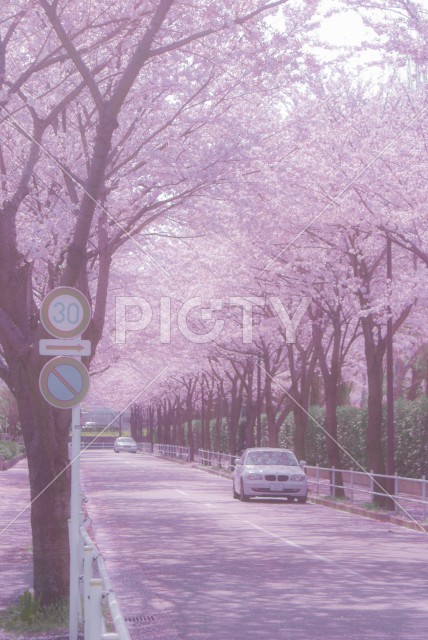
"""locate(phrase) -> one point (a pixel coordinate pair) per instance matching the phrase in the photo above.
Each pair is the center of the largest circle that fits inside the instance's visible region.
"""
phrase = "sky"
(344, 30)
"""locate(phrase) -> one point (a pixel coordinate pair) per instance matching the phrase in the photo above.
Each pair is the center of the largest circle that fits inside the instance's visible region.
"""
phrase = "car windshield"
(126, 440)
(271, 458)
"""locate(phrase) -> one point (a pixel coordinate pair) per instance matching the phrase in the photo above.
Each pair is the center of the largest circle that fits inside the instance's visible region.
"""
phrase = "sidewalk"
(16, 567)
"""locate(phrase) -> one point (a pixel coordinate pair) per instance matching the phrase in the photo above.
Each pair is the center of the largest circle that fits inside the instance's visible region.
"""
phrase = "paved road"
(194, 564)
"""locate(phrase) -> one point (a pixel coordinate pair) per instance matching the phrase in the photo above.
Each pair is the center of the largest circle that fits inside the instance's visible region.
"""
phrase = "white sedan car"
(125, 443)
(267, 472)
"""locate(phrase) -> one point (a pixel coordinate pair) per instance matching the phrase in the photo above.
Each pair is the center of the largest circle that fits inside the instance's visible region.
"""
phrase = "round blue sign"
(64, 382)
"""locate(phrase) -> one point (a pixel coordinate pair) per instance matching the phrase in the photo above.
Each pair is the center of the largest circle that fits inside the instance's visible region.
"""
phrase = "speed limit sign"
(65, 312)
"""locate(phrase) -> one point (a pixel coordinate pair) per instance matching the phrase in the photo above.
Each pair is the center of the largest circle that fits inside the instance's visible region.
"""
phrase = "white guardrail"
(358, 486)
(172, 451)
(96, 590)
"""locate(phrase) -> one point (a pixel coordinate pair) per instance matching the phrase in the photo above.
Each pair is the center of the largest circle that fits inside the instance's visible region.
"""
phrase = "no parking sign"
(64, 382)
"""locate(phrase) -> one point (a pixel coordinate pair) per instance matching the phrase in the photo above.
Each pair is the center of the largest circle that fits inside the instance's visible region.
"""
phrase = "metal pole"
(74, 530)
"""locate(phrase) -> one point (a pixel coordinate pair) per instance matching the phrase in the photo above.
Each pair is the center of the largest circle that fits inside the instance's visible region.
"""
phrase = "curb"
(379, 516)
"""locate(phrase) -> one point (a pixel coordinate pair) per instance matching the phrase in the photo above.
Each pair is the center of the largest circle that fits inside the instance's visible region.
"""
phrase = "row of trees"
(167, 149)
(320, 307)
(411, 434)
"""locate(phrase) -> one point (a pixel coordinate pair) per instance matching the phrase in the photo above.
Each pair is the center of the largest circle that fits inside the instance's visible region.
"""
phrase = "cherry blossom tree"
(114, 118)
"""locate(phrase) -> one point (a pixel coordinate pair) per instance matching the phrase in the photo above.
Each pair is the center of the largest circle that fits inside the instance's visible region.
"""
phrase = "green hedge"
(9, 449)
(411, 436)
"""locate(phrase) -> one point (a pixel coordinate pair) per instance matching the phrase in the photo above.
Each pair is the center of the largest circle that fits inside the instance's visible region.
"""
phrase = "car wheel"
(242, 496)
(290, 499)
(302, 499)
(235, 495)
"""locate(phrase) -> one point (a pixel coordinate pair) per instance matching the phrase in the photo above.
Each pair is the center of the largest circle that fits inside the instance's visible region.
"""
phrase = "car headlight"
(298, 478)
(254, 476)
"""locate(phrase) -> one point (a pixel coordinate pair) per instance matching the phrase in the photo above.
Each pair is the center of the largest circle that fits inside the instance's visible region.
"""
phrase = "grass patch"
(27, 615)
(336, 498)
(10, 449)
(372, 506)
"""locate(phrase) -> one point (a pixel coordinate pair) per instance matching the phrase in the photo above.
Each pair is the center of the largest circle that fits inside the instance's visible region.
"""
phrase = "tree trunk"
(333, 450)
(270, 414)
(190, 433)
(374, 359)
(203, 417)
(159, 425)
(300, 426)
(151, 425)
(208, 419)
(45, 432)
(331, 374)
(218, 420)
(250, 408)
(250, 426)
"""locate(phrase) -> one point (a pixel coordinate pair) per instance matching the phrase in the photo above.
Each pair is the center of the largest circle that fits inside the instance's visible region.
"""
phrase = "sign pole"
(65, 313)
(75, 523)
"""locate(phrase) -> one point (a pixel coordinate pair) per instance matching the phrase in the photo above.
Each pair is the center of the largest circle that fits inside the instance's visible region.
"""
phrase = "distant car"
(267, 473)
(125, 443)
(89, 426)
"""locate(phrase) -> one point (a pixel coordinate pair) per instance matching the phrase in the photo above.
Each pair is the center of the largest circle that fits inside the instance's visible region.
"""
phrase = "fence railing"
(215, 459)
(145, 447)
(408, 493)
(94, 590)
(171, 451)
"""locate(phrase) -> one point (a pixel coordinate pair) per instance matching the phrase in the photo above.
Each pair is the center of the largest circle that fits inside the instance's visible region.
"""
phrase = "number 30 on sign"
(65, 312)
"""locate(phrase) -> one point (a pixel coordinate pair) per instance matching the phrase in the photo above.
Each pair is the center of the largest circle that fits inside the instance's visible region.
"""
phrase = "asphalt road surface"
(189, 562)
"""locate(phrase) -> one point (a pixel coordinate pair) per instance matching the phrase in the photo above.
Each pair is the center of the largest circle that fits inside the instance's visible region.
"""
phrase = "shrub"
(10, 449)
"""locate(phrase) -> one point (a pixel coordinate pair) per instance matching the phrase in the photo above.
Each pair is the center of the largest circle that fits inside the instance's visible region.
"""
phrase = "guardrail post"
(95, 612)
(371, 484)
(333, 480)
(81, 566)
(87, 569)
(317, 476)
(1, 463)
(351, 484)
(396, 505)
(81, 542)
(424, 497)
(87, 577)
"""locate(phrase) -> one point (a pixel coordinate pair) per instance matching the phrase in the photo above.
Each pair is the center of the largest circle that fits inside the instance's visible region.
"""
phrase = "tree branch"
(68, 45)
(199, 35)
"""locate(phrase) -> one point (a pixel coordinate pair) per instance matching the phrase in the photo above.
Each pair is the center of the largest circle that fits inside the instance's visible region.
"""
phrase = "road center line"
(182, 492)
(306, 551)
